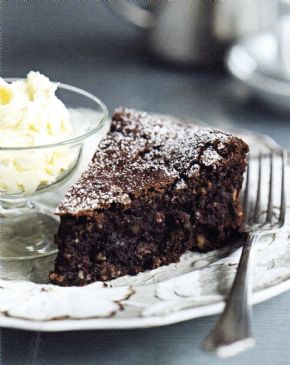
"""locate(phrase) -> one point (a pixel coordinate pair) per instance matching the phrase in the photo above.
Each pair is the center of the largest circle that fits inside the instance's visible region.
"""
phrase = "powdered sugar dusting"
(210, 156)
(142, 152)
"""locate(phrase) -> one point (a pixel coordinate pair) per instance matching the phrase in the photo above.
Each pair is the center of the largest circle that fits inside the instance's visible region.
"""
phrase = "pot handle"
(133, 13)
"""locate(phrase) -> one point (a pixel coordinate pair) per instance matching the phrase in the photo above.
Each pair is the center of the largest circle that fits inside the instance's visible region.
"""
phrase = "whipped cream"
(31, 115)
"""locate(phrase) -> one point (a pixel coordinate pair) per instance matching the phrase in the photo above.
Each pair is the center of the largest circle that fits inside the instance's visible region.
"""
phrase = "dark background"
(83, 43)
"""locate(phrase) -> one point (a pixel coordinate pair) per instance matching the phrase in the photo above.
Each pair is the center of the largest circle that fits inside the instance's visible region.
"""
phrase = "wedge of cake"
(155, 188)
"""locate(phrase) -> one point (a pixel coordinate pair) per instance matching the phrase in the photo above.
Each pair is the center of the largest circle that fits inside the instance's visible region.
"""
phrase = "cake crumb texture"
(155, 188)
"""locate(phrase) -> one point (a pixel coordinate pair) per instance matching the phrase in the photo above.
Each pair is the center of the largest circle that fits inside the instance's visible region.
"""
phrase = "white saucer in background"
(256, 62)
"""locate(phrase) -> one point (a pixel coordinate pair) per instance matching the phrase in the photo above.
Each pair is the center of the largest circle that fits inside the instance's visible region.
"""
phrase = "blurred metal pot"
(197, 31)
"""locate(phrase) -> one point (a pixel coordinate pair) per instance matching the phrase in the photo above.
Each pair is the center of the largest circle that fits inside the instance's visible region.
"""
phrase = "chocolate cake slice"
(154, 189)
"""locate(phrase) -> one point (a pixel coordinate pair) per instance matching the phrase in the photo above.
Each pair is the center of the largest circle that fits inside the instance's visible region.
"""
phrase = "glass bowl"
(26, 228)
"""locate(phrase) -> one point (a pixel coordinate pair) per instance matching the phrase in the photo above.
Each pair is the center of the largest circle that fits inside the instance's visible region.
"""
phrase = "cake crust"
(155, 188)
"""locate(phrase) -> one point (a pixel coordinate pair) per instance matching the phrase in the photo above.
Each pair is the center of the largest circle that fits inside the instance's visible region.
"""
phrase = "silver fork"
(232, 331)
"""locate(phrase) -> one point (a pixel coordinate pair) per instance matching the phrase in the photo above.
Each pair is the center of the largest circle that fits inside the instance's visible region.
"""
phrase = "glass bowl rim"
(73, 140)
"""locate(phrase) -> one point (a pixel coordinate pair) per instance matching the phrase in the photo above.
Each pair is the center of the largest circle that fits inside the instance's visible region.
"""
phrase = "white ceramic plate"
(192, 288)
(256, 63)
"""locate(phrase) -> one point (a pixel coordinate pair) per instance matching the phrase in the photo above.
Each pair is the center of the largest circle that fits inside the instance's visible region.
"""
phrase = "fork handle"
(232, 331)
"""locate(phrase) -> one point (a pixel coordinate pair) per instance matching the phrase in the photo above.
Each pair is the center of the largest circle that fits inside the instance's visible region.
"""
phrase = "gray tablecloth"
(84, 44)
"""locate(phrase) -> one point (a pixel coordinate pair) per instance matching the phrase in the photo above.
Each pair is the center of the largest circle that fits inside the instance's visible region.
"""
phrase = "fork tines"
(264, 196)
